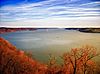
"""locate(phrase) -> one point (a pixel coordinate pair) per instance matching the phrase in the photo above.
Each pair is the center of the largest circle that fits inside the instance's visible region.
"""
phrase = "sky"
(50, 13)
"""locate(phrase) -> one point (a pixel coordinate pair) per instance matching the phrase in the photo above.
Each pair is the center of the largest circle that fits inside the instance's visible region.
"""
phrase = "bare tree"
(80, 60)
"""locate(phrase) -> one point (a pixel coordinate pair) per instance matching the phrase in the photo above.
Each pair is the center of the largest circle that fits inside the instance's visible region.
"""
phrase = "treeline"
(86, 30)
(6, 30)
(77, 61)
(90, 30)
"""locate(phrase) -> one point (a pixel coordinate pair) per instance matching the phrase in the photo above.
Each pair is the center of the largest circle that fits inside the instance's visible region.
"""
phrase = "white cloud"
(47, 13)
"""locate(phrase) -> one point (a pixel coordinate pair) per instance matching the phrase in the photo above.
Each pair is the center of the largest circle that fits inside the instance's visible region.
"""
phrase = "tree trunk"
(74, 70)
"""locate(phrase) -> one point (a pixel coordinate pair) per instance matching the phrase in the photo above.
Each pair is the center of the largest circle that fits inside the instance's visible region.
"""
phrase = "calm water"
(52, 41)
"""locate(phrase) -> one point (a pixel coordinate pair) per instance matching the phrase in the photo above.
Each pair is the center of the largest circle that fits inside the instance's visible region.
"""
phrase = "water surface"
(42, 42)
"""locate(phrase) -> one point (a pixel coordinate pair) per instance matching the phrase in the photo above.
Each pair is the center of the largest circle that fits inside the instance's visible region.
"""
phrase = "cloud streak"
(50, 9)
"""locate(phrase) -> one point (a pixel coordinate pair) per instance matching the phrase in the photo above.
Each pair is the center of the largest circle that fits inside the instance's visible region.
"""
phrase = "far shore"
(85, 30)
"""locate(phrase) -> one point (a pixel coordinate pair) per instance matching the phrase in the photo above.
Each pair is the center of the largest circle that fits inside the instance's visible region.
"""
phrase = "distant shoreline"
(7, 30)
(85, 30)
(90, 30)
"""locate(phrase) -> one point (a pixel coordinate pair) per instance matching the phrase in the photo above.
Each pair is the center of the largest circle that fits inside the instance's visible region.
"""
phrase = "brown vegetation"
(13, 61)
(77, 61)
(6, 30)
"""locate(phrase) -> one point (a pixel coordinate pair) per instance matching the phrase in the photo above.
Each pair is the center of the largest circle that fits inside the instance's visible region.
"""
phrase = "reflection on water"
(56, 41)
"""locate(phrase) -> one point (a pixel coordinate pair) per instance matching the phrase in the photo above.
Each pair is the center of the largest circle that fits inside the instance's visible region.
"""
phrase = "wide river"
(43, 42)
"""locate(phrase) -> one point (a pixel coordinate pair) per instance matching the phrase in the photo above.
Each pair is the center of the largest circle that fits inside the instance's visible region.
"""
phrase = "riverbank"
(85, 30)
(90, 30)
(14, 61)
(7, 30)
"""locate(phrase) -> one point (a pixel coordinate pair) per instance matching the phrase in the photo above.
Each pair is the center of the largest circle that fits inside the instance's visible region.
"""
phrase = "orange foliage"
(78, 61)
(13, 61)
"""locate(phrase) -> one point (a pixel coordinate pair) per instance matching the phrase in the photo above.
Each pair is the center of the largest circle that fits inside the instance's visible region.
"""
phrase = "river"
(43, 42)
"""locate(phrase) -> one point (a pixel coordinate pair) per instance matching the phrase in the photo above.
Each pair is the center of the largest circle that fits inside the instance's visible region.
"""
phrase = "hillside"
(14, 61)
(86, 30)
(6, 30)
(90, 30)
(77, 61)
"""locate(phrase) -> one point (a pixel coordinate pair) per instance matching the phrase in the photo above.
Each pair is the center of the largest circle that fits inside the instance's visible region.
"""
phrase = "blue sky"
(50, 13)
